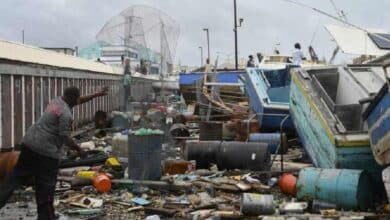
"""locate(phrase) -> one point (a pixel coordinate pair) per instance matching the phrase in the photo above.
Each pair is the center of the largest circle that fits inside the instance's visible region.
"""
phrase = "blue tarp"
(189, 78)
(224, 77)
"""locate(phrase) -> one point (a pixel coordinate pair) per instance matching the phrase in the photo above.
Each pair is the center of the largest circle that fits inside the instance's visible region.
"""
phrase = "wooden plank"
(18, 111)
(28, 97)
(6, 111)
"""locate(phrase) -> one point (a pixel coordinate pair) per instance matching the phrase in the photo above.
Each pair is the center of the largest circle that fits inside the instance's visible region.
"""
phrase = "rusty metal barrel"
(203, 152)
(244, 155)
(210, 131)
(8, 161)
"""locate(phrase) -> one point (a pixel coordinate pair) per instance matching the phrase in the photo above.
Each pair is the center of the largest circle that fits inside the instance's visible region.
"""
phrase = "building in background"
(64, 50)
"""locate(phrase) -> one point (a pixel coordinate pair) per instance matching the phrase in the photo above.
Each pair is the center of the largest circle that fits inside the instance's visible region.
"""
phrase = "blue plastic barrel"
(144, 162)
(348, 189)
(120, 120)
(272, 139)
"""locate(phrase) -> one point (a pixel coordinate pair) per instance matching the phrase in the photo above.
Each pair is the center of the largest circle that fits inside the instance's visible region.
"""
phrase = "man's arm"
(68, 141)
(65, 128)
(87, 98)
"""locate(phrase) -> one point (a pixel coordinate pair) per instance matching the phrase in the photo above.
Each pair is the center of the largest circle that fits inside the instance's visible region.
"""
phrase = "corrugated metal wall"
(26, 89)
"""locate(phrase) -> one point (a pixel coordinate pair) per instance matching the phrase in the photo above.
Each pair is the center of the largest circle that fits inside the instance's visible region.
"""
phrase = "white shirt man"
(298, 55)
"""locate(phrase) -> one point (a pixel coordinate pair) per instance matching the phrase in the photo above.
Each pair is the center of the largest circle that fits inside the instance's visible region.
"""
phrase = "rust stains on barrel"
(210, 131)
(7, 163)
(244, 155)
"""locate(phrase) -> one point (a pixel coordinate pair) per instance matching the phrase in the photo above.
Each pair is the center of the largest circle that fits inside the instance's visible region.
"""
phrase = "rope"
(337, 19)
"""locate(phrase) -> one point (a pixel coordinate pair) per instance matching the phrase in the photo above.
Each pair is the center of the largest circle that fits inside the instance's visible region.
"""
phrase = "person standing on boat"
(251, 62)
(298, 56)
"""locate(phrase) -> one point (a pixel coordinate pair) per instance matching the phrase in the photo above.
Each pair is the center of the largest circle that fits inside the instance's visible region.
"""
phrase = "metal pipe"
(208, 44)
(201, 56)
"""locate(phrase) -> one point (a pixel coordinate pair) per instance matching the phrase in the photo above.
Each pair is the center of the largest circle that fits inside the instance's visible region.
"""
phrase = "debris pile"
(140, 168)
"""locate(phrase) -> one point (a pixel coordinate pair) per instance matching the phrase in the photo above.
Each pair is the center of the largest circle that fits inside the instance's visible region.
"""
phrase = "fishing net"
(151, 32)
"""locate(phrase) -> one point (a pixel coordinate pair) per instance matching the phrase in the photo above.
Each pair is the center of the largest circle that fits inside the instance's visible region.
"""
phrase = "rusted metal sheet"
(59, 86)
(37, 95)
(18, 110)
(6, 111)
(52, 82)
(77, 108)
(25, 93)
(45, 93)
(28, 97)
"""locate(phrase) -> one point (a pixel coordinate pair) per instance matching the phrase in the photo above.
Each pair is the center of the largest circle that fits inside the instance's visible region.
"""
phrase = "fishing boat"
(326, 107)
(268, 90)
(377, 116)
(228, 84)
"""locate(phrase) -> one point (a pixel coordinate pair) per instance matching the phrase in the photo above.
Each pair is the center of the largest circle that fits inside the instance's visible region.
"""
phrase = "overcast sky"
(70, 23)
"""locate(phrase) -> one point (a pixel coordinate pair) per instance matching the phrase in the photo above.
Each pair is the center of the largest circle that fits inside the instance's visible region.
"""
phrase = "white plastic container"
(120, 145)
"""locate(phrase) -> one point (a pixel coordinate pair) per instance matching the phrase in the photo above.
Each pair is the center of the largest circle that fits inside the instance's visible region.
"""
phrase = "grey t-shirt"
(47, 135)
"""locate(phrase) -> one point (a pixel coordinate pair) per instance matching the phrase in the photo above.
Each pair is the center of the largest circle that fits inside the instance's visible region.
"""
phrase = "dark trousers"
(44, 170)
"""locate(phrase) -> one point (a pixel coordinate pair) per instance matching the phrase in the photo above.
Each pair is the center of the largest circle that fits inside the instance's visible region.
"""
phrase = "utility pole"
(23, 36)
(201, 56)
(208, 43)
(235, 34)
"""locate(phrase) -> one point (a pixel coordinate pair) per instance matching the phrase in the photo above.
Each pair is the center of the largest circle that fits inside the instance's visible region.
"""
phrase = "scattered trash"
(215, 184)
(90, 145)
(113, 162)
(173, 167)
(136, 208)
(88, 202)
(248, 178)
(288, 184)
(328, 212)
(144, 131)
(272, 181)
(87, 174)
(102, 183)
(140, 201)
(293, 207)
(257, 204)
(152, 217)
(85, 211)
(317, 206)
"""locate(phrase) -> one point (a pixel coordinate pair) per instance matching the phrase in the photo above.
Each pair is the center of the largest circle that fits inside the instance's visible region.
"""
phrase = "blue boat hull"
(325, 148)
(378, 121)
(269, 103)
